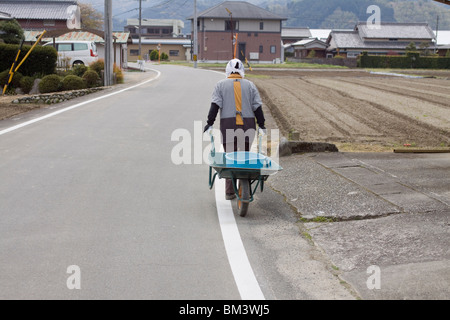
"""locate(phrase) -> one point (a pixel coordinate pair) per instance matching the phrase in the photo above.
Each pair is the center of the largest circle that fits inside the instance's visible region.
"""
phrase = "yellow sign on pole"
(14, 68)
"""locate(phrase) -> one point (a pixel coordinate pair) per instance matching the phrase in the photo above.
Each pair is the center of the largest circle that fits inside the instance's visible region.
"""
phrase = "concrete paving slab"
(390, 212)
(411, 251)
(404, 187)
(317, 192)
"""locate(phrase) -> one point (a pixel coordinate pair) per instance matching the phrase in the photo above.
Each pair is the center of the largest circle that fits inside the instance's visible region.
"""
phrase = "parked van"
(71, 53)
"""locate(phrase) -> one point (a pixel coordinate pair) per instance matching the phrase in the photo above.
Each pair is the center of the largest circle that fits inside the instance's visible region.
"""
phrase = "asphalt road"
(94, 206)
(95, 187)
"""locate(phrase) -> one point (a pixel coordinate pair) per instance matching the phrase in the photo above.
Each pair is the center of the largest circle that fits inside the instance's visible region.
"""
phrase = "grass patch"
(360, 147)
(286, 65)
(318, 220)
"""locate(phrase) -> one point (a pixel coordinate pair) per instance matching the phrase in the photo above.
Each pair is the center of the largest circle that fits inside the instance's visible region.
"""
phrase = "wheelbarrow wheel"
(244, 194)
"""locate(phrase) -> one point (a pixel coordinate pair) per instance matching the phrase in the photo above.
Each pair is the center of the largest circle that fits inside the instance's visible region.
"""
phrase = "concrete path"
(383, 219)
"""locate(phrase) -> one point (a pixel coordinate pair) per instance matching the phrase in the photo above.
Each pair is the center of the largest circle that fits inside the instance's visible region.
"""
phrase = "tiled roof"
(419, 31)
(309, 42)
(5, 16)
(346, 39)
(295, 33)
(122, 37)
(240, 10)
(45, 10)
(389, 36)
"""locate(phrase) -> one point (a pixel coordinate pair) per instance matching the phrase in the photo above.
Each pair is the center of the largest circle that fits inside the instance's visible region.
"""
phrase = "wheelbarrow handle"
(213, 148)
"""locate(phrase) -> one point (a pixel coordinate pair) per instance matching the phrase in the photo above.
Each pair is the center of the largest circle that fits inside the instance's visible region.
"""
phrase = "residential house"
(389, 38)
(313, 48)
(257, 33)
(292, 35)
(155, 28)
(40, 15)
(178, 49)
(443, 42)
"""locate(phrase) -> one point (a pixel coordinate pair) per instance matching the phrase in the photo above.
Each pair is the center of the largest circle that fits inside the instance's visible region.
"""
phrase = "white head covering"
(235, 65)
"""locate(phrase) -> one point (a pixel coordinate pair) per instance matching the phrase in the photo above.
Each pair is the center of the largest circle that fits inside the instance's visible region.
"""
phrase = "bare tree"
(90, 18)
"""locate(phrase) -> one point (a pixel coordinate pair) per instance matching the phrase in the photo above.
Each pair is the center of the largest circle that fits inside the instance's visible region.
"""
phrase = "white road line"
(244, 277)
(27, 123)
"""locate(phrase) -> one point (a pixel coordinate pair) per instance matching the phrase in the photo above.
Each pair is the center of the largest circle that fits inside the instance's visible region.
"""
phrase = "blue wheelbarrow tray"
(242, 165)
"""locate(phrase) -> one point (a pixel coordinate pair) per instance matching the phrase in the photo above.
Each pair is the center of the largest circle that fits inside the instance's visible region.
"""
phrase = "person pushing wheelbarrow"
(239, 103)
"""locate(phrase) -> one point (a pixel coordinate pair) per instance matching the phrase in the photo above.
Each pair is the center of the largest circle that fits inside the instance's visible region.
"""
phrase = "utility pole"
(195, 35)
(108, 81)
(233, 40)
(140, 28)
(437, 31)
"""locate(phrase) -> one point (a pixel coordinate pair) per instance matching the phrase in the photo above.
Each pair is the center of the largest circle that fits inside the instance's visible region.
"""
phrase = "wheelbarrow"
(247, 170)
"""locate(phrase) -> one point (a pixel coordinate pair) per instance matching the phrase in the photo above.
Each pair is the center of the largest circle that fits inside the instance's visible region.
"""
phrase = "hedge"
(41, 61)
(411, 61)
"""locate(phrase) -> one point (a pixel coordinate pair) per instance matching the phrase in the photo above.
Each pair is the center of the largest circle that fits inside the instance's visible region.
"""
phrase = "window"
(49, 23)
(80, 46)
(134, 52)
(231, 26)
(65, 47)
(273, 49)
(174, 53)
(261, 49)
(261, 26)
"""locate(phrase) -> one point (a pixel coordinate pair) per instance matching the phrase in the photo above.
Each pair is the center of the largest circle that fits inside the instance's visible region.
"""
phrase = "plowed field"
(357, 109)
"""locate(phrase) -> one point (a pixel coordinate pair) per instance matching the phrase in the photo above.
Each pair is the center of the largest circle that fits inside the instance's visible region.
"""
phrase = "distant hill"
(326, 14)
(345, 13)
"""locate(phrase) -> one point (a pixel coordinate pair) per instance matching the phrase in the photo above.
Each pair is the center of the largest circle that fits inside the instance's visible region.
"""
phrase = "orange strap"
(238, 99)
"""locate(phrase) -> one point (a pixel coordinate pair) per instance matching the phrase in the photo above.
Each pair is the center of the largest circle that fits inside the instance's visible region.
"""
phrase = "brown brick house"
(258, 33)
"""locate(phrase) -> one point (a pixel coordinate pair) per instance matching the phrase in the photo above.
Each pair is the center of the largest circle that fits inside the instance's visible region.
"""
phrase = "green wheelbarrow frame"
(254, 167)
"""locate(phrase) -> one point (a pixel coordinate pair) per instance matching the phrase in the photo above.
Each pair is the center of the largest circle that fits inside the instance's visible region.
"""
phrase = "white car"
(71, 53)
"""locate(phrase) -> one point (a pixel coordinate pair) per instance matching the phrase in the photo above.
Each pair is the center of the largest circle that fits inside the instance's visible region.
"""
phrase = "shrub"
(91, 78)
(42, 60)
(119, 74)
(164, 56)
(50, 83)
(73, 83)
(79, 69)
(4, 77)
(154, 55)
(411, 60)
(26, 84)
(98, 66)
(11, 32)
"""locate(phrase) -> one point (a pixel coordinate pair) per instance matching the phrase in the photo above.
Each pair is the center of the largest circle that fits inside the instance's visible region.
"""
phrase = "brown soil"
(351, 108)
(8, 109)
(358, 111)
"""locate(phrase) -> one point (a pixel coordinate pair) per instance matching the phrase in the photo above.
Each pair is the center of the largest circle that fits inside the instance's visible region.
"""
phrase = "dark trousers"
(233, 147)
